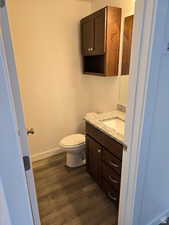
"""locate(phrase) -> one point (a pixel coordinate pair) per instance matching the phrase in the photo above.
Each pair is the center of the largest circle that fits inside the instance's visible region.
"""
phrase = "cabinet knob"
(89, 49)
(99, 150)
(111, 196)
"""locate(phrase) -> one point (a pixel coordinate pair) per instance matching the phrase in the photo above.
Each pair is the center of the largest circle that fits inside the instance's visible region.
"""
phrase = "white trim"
(157, 220)
(4, 218)
(143, 85)
(133, 80)
(46, 154)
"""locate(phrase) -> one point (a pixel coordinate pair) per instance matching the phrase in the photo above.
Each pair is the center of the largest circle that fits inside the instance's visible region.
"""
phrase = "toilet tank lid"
(73, 140)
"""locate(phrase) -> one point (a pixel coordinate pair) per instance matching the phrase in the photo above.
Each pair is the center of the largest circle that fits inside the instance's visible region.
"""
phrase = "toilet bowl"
(74, 146)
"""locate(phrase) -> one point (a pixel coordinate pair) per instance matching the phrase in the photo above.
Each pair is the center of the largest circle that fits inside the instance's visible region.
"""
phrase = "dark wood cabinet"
(104, 161)
(91, 26)
(100, 40)
(99, 33)
(127, 43)
(87, 36)
(94, 150)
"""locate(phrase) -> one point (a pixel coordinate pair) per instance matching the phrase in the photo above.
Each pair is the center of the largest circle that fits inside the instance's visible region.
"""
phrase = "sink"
(117, 124)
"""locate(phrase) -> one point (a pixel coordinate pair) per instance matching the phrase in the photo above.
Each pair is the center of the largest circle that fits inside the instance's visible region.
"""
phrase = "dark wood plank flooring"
(70, 196)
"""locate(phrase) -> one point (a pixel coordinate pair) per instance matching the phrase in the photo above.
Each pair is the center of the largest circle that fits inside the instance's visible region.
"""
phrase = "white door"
(15, 207)
(8, 56)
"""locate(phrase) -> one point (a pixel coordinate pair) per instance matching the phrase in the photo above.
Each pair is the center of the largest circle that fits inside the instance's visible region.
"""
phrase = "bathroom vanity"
(104, 151)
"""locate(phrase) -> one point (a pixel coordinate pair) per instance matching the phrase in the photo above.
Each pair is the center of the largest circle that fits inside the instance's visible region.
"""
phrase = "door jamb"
(146, 49)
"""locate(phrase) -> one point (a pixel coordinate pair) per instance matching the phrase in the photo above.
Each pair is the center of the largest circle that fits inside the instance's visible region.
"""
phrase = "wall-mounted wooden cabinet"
(127, 43)
(100, 40)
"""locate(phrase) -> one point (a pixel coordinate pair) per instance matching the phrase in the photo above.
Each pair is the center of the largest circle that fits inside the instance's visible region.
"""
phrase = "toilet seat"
(73, 141)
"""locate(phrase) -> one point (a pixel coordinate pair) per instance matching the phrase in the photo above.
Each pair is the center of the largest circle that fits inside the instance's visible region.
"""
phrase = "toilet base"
(75, 160)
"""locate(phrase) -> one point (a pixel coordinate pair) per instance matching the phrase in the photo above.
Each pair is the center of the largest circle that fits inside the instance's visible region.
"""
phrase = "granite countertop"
(97, 120)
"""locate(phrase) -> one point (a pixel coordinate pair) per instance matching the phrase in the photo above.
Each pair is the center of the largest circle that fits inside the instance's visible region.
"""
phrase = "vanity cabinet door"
(93, 155)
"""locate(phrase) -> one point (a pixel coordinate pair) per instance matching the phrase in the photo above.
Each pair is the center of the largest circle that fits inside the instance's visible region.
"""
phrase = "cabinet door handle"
(99, 150)
(113, 180)
(113, 164)
(111, 196)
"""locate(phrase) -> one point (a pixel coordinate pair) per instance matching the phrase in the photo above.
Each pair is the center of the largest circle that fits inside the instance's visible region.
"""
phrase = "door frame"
(149, 42)
(141, 61)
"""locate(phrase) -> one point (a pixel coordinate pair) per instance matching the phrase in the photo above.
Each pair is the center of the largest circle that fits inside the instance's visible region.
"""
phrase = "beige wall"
(55, 94)
(46, 44)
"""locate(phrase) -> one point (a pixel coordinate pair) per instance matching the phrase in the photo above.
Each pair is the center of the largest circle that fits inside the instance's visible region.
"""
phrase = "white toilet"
(75, 147)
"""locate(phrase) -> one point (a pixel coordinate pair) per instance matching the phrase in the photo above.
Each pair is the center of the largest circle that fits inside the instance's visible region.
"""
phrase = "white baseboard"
(44, 155)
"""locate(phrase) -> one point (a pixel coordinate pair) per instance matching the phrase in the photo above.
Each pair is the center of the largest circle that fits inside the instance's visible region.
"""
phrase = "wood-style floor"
(70, 196)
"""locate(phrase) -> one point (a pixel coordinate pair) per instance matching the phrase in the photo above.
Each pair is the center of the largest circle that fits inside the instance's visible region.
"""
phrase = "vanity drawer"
(109, 143)
(111, 177)
(112, 161)
(110, 192)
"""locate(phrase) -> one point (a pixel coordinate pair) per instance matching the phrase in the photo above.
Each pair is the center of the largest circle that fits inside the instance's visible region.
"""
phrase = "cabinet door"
(99, 32)
(93, 153)
(127, 42)
(87, 32)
